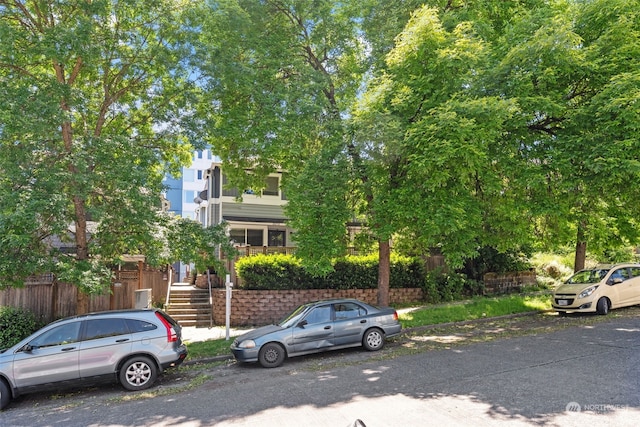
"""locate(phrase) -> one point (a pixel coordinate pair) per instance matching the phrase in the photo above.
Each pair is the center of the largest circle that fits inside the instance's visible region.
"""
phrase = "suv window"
(140, 326)
(63, 334)
(103, 328)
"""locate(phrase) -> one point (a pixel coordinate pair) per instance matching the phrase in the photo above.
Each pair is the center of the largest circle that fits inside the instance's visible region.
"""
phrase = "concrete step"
(189, 305)
(200, 323)
(182, 301)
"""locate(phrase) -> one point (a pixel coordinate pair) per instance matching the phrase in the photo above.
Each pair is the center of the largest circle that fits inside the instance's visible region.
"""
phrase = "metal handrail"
(166, 303)
(210, 299)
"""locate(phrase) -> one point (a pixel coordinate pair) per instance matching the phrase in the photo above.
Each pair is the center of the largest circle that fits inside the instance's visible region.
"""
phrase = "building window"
(254, 237)
(229, 192)
(237, 236)
(199, 174)
(189, 196)
(249, 237)
(188, 175)
(276, 238)
(271, 188)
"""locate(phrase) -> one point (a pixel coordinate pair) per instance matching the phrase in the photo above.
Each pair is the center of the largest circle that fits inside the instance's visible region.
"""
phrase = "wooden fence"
(49, 299)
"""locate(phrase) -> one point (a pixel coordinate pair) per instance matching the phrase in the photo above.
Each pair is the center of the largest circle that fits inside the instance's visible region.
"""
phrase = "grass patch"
(476, 308)
(209, 348)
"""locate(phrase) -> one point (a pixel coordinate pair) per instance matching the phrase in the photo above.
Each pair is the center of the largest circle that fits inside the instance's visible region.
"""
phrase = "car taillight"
(172, 336)
(395, 315)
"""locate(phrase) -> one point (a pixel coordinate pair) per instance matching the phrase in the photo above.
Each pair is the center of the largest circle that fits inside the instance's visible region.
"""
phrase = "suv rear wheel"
(5, 394)
(138, 373)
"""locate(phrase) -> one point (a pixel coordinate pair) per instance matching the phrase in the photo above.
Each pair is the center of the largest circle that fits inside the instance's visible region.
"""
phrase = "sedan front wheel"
(373, 339)
(271, 355)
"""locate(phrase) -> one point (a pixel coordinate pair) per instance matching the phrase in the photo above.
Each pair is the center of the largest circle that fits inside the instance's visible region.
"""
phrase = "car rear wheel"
(603, 306)
(5, 394)
(138, 373)
(271, 355)
(373, 339)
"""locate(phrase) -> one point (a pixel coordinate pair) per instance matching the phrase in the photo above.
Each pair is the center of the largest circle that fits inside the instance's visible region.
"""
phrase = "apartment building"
(257, 220)
(182, 192)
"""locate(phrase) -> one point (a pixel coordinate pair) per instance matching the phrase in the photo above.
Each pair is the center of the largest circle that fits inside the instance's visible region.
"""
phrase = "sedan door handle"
(363, 321)
(328, 327)
(68, 348)
(123, 340)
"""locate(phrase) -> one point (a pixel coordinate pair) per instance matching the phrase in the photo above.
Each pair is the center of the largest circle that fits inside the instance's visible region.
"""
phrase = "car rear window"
(103, 328)
(136, 325)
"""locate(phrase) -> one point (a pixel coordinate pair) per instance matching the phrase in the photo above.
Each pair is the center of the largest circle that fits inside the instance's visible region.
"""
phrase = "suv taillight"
(172, 336)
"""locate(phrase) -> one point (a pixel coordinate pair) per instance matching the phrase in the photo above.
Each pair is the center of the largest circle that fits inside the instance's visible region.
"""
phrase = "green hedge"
(441, 286)
(279, 272)
(15, 324)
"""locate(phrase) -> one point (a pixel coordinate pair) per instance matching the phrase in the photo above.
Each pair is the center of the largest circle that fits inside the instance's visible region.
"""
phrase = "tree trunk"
(581, 248)
(82, 248)
(384, 270)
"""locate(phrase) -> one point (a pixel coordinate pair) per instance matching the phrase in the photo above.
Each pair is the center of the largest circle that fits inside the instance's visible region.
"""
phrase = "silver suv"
(129, 346)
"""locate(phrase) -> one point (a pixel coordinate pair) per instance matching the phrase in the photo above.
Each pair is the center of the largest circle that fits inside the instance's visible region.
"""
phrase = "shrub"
(15, 324)
(278, 272)
(441, 286)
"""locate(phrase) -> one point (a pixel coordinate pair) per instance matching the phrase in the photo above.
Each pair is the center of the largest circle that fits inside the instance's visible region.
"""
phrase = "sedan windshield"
(588, 276)
(294, 317)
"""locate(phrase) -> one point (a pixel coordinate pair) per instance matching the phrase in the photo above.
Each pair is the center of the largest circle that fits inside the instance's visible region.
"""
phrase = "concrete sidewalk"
(193, 334)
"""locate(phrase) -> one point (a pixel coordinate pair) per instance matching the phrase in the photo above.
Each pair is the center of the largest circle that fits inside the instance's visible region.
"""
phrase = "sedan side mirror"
(27, 348)
(302, 324)
(615, 281)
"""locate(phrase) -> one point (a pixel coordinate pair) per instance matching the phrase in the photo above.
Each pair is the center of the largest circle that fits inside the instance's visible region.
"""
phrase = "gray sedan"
(316, 327)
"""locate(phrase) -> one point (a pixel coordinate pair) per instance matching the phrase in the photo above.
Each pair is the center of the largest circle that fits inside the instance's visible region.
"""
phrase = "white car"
(599, 289)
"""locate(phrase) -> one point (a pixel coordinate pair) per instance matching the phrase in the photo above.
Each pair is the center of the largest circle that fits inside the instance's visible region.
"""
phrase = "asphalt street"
(584, 375)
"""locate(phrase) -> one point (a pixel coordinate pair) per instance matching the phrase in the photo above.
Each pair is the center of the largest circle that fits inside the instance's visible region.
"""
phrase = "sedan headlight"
(587, 292)
(247, 344)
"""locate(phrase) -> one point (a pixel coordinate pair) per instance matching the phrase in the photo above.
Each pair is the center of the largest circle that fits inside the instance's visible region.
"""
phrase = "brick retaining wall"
(254, 308)
(495, 283)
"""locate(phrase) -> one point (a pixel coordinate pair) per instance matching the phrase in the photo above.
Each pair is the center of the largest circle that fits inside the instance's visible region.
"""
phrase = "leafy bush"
(277, 272)
(15, 324)
(489, 260)
(552, 269)
(273, 272)
(440, 286)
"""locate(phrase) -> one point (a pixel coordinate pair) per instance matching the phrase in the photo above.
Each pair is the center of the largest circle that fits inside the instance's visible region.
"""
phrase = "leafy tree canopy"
(95, 109)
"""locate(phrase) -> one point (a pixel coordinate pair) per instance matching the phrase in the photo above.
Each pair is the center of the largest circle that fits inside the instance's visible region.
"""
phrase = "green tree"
(516, 121)
(447, 181)
(573, 69)
(282, 77)
(95, 105)
(187, 241)
(285, 84)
